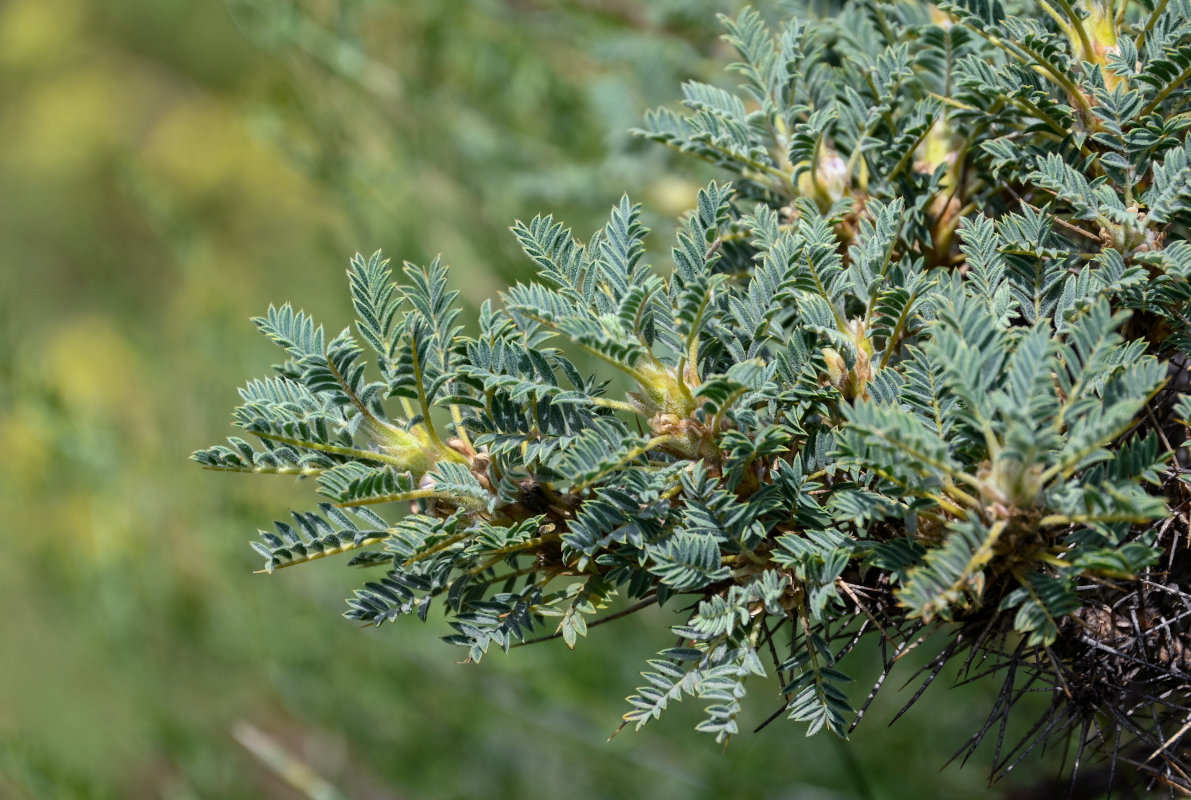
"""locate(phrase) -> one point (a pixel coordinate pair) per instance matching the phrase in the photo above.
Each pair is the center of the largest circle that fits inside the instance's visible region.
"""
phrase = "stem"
(1077, 24)
(895, 334)
(460, 429)
(907, 158)
(1058, 18)
(1068, 465)
(984, 553)
(633, 609)
(692, 339)
(1079, 519)
(343, 548)
(350, 452)
(506, 576)
(416, 494)
(618, 405)
(1149, 26)
(636, 452)
(1024, 582)
(946, 469)
(1062, 80)
(423, 401)
(1177, 83)
(632, 372)
(438, 548)
(951, 101)
(816, 184)
(1033, 108)
(526, 545)
(1016, 50)
(372, 419)
(764, 169)
(305, 472)
(781, 137)
(492, 562)
(671, 492)
(718, 419)
(854, 156)
(962, 496)
(744, 173)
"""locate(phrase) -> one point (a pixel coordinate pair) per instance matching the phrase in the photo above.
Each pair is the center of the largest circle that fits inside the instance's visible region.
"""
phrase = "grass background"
(166, 170)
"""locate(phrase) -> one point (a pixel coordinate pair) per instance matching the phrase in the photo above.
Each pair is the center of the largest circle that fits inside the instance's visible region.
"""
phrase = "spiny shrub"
(916, 374)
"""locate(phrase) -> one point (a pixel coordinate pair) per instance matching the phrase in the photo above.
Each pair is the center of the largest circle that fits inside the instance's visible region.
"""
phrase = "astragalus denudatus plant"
(915, 374)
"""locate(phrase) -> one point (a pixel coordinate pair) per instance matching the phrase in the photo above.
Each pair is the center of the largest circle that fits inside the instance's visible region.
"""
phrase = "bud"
(411, 448)
(852, 383)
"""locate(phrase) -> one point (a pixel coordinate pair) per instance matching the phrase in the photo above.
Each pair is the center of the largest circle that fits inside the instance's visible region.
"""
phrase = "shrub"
(918, 370)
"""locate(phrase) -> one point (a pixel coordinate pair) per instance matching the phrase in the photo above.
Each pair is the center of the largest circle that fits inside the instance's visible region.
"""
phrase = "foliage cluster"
(916, 370)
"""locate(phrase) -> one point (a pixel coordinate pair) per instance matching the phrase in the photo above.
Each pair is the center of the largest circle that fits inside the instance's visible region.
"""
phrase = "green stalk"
(350, 452)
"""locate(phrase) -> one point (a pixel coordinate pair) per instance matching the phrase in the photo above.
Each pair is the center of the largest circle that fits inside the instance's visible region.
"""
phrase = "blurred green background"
(167, 169)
